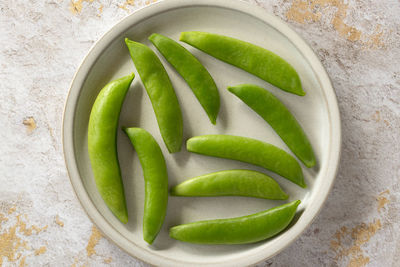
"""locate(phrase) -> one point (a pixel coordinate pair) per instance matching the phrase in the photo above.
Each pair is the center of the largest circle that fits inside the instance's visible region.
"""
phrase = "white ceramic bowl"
(317, 112)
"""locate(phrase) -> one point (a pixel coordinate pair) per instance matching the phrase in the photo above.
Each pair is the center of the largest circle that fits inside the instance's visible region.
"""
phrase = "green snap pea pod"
(231, 183)
(272, 110)
(241, 230)
(249, 57)
(102, 145)
(251, 151)
(192, 71)
(161, 93)
(156, 181)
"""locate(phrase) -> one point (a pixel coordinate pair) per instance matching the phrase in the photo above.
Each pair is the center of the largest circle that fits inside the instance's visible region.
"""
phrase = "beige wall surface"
(43, 42)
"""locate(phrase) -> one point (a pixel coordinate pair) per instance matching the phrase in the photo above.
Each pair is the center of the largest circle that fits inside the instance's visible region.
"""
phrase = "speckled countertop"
(42, 44)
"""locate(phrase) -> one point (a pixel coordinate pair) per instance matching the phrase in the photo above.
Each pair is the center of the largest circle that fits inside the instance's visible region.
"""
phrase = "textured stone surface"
(42, 44)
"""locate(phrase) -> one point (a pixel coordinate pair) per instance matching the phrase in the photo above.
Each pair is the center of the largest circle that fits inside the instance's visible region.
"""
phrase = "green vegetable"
(231, 183)
(248, 150)
(102, 145)
(156, 181)
(192, 71)
(240, 230)
(161, 93)
(271, 109)
(251, 58)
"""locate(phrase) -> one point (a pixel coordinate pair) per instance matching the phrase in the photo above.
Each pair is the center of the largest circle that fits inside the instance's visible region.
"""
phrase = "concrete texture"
(42, 44)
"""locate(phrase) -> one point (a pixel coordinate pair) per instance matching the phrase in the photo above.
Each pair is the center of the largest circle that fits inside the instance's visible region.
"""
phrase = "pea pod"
(241, 230)
(251, 151)
(273, 111)
(254, 59)
(156, 181)
(192, 71)
(161, 93)
(231, 183)
(102, 145)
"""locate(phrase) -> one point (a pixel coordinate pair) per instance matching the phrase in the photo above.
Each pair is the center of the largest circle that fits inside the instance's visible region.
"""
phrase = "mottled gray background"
(42, 44)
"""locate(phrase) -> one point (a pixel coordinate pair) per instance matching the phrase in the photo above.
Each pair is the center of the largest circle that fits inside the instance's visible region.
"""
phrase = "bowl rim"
(102, 43)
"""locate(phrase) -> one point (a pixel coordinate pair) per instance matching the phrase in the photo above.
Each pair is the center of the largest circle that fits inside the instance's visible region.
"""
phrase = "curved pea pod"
(156, 181)
(272, 110)
(248, 150)
(102, 145)
(254, 59)
(240, 230)
(192, 71)
(161, 93)
(245, 183)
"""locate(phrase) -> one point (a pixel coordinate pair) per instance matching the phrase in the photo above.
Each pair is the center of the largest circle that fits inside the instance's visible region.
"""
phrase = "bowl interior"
(110, 60)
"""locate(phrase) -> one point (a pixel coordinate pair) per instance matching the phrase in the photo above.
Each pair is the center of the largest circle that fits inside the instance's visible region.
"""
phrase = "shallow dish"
(109, 59)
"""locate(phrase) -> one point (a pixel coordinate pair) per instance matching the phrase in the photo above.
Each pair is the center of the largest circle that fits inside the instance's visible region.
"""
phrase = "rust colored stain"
(3, 218)
(93, 241)
(376, 116)
(22, 262)
(303, 12)
(132, 3)
(58, 221)
(126, 4)
(75, 262)
(28, 231)
(148, 2)
(12, 209)
(347, 243)
(40, 250)
(76, 6)
(314, 10)
(386, 123)
(376, 39)
(30, 124)
(82, 258)
(12, 243)
(344, 30)
(108, 260)
(100, 10)
(382, 200)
